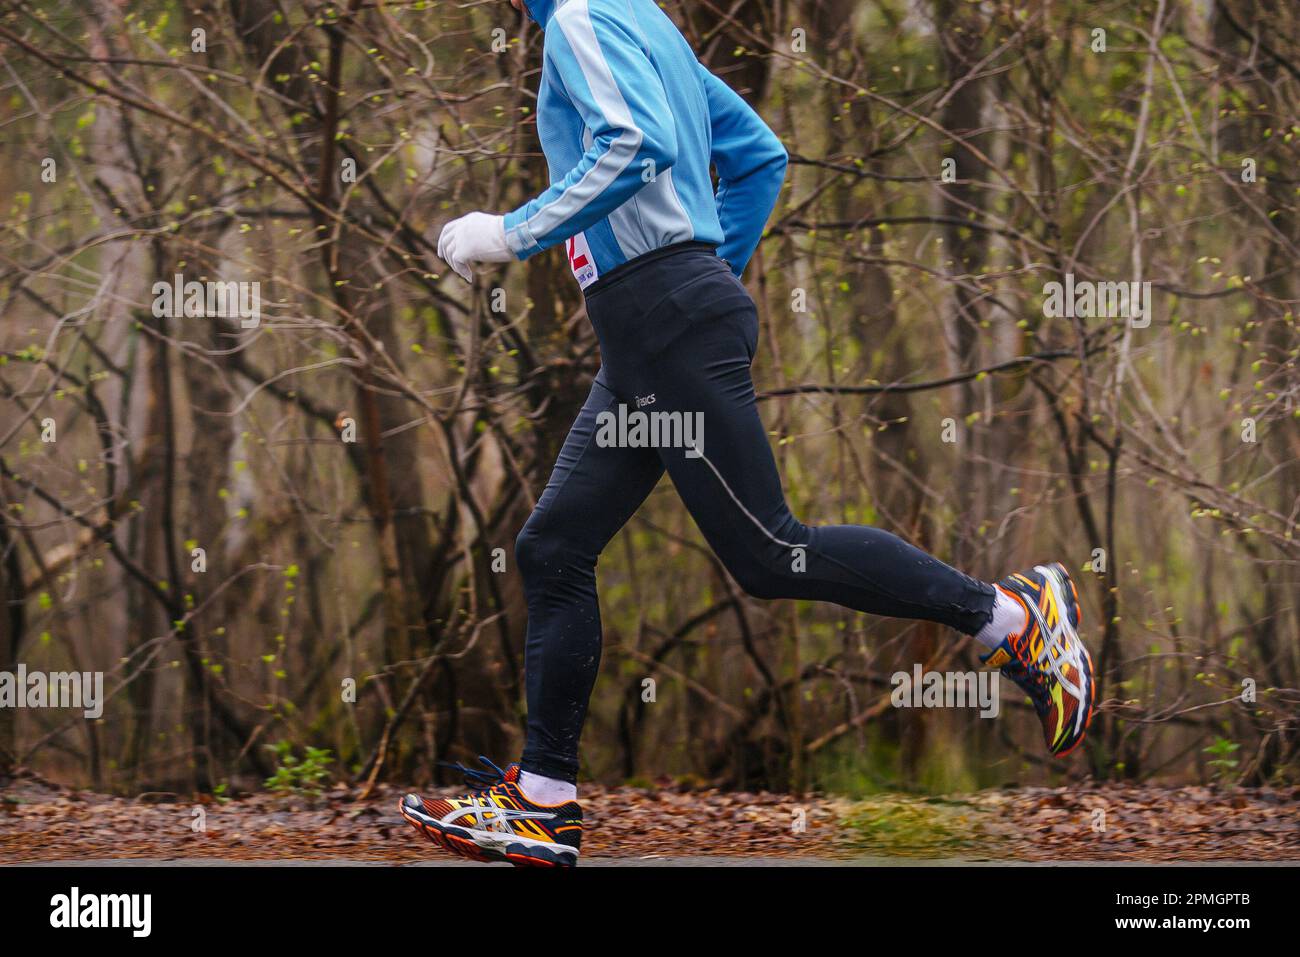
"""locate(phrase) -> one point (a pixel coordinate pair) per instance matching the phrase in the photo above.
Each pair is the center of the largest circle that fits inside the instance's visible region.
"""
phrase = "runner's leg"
(592, 492)
(734, 493)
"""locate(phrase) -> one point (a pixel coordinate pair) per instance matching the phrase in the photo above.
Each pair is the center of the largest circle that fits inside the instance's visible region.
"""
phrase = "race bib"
(581, 261)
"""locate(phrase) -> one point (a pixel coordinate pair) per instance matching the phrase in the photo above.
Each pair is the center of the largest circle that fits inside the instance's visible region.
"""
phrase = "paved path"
(698, 861)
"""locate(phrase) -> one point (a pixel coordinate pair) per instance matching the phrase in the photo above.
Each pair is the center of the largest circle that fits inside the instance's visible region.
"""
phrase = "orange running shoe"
(495, 822)
(1047, 660)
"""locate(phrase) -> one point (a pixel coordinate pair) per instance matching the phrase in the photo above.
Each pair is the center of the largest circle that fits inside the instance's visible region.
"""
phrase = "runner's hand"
(473, 238)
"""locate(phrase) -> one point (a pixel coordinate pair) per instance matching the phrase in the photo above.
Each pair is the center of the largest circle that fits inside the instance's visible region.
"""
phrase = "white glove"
(474, 238)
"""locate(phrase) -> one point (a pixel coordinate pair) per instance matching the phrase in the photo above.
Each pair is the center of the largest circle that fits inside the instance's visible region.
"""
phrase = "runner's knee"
(546, 553)
(533, 553)
(758, 581)
(765, 573)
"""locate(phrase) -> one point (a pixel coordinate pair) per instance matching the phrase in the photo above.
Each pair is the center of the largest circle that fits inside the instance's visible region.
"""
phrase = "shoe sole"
(488, 847)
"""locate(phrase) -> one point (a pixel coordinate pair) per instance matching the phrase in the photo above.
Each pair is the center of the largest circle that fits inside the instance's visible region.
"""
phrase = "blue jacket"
(630, 121)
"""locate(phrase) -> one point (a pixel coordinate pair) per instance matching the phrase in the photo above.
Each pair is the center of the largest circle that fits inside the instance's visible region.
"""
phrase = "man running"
(630, 123)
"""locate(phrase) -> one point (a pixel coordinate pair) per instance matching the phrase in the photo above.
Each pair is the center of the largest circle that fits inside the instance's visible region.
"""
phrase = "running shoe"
(1047, 660)
(495, 822)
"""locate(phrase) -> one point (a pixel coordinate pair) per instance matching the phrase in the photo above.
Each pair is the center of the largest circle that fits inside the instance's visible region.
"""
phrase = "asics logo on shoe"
(491, 815)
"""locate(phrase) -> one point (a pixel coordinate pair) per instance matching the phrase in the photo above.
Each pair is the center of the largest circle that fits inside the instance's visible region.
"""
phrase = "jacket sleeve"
(750, 161)
(615, 89)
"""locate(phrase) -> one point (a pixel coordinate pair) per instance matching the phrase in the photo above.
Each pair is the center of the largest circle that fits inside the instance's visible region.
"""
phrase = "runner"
(630, 123)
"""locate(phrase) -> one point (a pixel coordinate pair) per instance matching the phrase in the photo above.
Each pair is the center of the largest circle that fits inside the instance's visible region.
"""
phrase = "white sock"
(542, 790)
(1009, 618)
